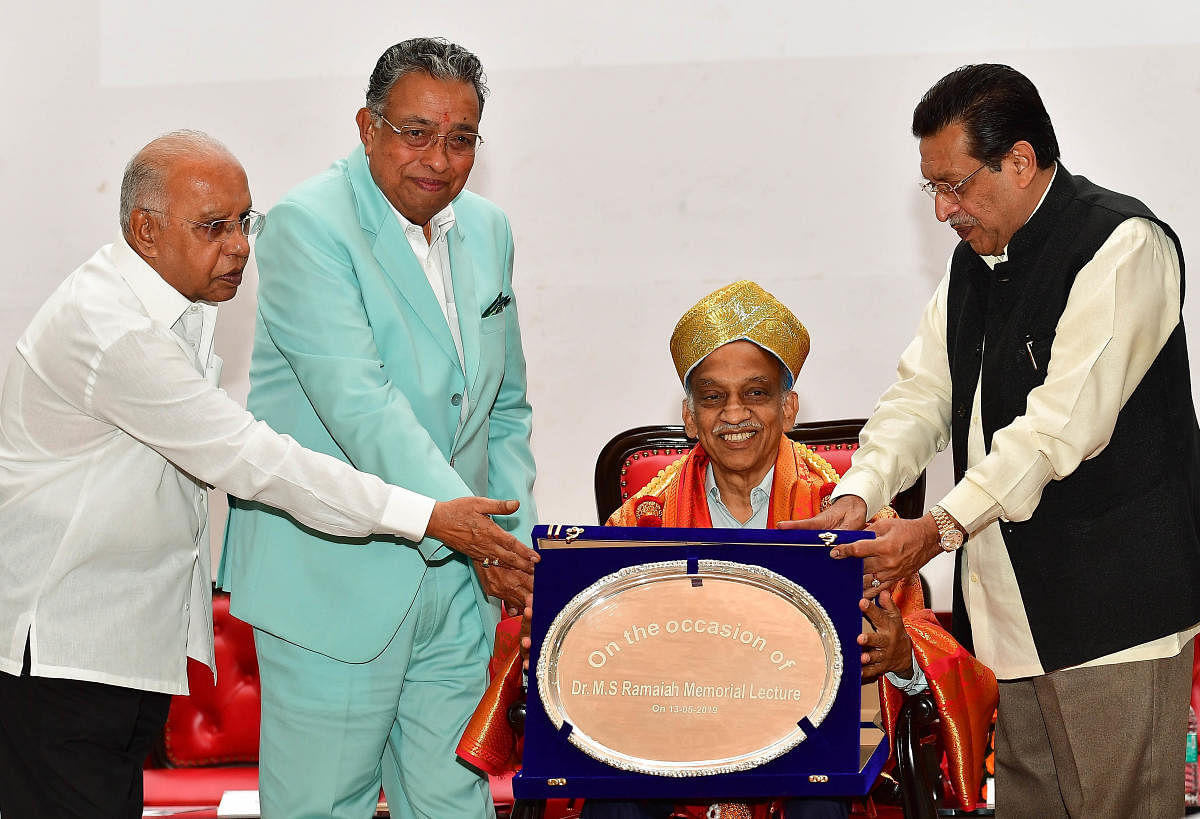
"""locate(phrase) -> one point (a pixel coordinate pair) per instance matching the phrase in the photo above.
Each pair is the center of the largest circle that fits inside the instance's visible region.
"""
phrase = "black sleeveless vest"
(1111, 556)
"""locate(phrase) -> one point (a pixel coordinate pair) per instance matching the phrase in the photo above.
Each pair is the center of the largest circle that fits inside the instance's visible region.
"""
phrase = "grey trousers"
(1092, 743)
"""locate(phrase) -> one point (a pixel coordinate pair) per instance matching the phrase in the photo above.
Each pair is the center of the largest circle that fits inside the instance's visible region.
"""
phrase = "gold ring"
(487, 562)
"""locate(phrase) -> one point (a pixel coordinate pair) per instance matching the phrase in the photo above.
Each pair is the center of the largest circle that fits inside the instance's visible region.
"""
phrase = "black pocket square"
(498, 304)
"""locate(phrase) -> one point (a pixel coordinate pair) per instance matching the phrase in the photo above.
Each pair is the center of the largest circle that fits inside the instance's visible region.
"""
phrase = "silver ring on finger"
(874, 582)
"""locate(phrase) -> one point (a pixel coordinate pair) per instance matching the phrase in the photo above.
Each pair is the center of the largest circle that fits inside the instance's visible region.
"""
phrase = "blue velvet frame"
(554, 768)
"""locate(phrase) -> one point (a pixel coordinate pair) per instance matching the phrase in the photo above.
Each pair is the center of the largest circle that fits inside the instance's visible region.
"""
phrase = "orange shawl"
(676, 497)
(963, 688)
(489, 742)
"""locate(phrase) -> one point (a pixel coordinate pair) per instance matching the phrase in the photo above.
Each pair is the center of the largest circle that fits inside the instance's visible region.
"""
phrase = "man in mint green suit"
(387, 336)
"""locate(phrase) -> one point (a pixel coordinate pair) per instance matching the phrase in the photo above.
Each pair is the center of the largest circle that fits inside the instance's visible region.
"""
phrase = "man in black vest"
(1053, 357)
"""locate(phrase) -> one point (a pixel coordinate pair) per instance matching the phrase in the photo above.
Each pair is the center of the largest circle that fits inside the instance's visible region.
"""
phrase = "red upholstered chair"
(632, 458)
(1196, 677)
(210, 742)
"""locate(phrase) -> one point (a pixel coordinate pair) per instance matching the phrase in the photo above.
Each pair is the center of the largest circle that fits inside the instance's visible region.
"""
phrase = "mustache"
(742, 427)
(960, 219)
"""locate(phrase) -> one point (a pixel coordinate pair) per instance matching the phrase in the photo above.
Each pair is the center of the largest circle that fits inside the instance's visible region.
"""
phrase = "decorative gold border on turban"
(742, 310)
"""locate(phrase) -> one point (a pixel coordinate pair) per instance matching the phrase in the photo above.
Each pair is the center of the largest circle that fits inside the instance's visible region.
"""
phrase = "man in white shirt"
(1053, 357)
(112, 429)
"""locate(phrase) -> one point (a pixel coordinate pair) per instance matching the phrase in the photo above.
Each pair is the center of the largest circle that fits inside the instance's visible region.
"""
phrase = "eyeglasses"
(221, 229)
(946, 190)
(419, 138)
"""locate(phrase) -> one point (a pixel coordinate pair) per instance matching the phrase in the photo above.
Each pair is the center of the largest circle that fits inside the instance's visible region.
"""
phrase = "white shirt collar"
(163, 302)
(992, 261)
(439, 225)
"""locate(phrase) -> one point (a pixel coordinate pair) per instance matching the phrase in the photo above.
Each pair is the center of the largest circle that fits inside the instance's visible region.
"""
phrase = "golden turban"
(737, 311)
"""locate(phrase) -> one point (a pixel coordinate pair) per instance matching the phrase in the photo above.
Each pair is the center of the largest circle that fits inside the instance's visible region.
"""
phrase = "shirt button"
(456, 399)
(974, 577)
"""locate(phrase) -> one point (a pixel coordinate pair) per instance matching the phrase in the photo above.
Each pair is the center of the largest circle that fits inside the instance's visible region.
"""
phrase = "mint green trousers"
(333, 732)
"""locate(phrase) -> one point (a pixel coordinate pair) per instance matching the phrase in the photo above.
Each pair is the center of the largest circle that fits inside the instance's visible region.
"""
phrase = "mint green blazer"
(352, 357)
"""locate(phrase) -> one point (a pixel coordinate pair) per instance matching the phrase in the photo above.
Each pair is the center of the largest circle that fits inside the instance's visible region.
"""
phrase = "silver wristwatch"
(950, 536)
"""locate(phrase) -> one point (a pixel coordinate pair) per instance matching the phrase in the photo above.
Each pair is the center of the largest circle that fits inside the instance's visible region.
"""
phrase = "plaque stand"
(841, 756)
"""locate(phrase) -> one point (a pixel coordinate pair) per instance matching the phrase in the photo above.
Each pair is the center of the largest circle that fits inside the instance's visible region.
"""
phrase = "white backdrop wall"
(646, 152)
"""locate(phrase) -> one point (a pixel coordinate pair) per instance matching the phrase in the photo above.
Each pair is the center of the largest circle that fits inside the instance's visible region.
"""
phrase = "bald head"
(176, 190)
(144, 184)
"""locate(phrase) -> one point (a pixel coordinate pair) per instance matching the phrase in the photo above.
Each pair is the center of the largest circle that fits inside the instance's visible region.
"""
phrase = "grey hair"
(144, 184)
(785, 375)
(434, 56)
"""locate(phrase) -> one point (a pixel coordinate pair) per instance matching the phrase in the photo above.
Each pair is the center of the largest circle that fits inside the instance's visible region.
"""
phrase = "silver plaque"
(664, 672)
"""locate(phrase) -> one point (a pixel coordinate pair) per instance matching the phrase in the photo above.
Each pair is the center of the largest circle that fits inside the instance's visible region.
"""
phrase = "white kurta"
(112, 428)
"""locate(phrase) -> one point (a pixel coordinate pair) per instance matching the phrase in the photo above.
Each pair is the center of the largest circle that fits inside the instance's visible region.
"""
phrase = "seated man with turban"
(737, 353)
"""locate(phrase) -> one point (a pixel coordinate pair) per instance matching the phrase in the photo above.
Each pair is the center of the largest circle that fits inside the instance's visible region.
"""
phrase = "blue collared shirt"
(719, 513)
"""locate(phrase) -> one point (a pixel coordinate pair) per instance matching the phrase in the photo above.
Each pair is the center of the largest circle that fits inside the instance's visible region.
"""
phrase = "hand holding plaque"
(847, 512)
(511, 586)
(465, 525)
(526, 623)
(888, 648)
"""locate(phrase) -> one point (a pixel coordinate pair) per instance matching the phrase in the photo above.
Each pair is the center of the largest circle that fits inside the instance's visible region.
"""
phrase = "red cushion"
(1196, 677)
(196, 786)
(206, 786)
(218, 725)
(641, 466)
